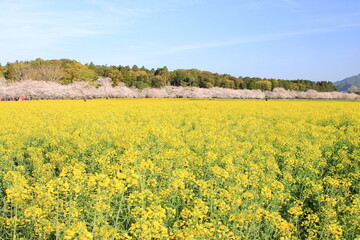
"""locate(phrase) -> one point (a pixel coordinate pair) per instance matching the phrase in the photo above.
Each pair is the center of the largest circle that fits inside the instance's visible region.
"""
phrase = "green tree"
(252, 84)
(135, 68)
(116, 77)
(77, 72)
(178, 77)
(274, 83)
(47, 70)
(91, 65)
(127, 77)
(206, 82)
(264, 85)
(157, 81)
(164, 74)
(2, 70)
(19, 71)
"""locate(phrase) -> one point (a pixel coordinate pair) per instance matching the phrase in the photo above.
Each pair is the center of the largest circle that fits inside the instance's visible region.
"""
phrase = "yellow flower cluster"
(180, 169)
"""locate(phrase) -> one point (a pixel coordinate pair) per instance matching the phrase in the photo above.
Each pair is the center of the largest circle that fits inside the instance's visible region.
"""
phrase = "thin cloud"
(208, 45)
(22, 24)
(350, 25)
(260, 38)
(120, 11)
(291, 3)
(32, 22)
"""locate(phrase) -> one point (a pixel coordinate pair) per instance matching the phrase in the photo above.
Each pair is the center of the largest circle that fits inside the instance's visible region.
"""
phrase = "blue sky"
(289, 39)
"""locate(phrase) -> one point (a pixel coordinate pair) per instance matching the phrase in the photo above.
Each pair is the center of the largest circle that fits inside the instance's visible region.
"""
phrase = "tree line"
(66, 71)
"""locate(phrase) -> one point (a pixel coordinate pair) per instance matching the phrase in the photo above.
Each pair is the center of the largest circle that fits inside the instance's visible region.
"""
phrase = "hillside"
(66, 71)
(350, 84)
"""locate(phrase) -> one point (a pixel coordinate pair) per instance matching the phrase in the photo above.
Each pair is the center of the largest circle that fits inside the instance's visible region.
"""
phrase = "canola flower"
(179, 169)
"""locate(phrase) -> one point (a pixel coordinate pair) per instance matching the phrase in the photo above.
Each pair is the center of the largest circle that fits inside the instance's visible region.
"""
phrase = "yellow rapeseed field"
(179, 169)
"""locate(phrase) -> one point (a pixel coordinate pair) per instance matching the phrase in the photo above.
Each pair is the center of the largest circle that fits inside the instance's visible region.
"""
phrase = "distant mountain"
(350, 84)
